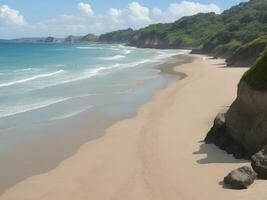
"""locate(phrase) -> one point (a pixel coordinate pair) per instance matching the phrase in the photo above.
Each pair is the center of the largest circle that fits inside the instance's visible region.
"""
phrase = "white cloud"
(157, 12)
(133, 15)
(85, 9)
(138, 13)
(187, 8)
(115, 14)
(11, 16)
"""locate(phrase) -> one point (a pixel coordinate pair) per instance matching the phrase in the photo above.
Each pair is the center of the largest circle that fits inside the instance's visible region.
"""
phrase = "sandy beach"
(158, 154)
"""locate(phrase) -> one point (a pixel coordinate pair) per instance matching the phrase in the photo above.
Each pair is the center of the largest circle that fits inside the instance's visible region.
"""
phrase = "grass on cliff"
(259, 41)
(248, 53)
(256, 77)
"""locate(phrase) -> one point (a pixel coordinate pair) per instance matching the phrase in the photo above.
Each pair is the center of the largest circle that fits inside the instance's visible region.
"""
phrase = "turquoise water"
(63, 80)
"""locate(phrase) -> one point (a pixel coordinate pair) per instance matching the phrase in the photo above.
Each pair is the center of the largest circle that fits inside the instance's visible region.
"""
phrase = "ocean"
(55, 97)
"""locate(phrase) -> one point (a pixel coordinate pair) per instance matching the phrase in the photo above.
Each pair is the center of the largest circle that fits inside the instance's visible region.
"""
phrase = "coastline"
(28, 154)
(156, 154)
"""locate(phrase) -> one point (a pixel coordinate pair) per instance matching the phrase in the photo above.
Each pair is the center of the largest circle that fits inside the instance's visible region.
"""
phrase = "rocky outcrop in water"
(72, 39)
(78, 39)
(50, 40)
(89, 38)
(240, 178)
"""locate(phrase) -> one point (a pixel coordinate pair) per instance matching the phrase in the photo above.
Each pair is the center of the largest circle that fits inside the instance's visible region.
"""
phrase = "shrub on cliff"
(256, 77)
(248, 53)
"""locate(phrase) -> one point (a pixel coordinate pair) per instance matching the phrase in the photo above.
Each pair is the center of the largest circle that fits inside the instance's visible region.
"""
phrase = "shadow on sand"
(215, 155)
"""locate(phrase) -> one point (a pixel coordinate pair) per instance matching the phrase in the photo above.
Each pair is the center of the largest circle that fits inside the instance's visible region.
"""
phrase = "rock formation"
(72, 39)
(259, 163)
(240, 178)
(50, 40)
(248, 53)
(219, 136)
(246, 120)
(89, 38)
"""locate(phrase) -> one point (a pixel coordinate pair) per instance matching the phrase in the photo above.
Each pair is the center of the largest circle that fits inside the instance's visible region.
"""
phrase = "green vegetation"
(248, 53)
(89, 38)
(256, 77)
(227, 49)
(186, 32)
(241, 23)
(121, 36)
(238, 34)
(209, 33)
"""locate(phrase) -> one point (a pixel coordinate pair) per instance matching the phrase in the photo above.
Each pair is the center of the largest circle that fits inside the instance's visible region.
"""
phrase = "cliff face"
(89, 38)
(72, 39)
(247, 54)
(149, 42)
(76, 39)
(245, 126)
(246, 120)
(121, 36)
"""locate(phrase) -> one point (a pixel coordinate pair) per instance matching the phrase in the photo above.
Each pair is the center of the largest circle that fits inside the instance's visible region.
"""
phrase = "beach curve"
(157, 154)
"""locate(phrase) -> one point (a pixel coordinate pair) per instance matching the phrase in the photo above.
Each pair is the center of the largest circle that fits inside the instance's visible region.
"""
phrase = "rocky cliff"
(121, 36)
(245, 125)
(246, 120)
(72, 39)
(149, 42)
(89, 38)
(248, 53)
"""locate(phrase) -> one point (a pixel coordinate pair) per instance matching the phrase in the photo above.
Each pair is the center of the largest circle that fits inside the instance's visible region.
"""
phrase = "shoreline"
(156, 154)
(21, 161)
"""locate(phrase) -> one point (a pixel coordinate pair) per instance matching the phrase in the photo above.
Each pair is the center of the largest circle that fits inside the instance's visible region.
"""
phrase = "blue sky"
(23, 18)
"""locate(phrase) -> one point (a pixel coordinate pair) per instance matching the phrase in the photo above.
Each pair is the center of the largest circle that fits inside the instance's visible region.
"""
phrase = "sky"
(59, 18)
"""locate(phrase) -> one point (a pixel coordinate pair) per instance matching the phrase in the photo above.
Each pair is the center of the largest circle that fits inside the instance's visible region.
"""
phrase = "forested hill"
(221, 35)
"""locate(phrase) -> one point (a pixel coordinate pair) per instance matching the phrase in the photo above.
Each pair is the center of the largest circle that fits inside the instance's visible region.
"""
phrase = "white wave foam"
(96, 72)
(30, 79)
(92, 48)
(6, 111)
(86, 47)
(127, 51)
(113, 48)
(117, 57)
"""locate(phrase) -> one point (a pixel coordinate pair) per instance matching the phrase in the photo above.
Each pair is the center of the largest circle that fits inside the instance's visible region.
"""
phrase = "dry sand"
(156, 155)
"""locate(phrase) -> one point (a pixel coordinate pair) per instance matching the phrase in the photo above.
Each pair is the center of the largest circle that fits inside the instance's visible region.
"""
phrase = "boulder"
(219, 136)
(259, 163)
(240, 178)
(217, 130)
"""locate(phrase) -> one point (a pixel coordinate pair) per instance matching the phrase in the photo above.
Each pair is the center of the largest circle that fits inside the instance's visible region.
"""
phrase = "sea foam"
(30, 78)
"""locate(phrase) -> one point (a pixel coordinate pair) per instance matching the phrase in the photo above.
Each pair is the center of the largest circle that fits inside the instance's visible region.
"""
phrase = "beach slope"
(156, 155)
